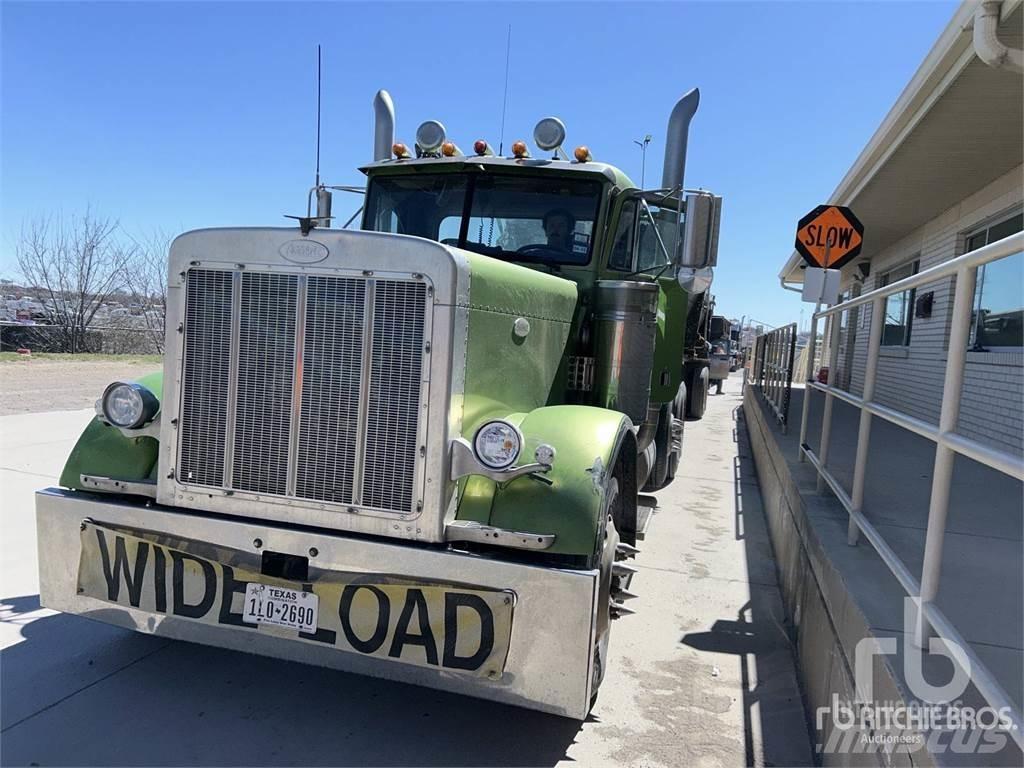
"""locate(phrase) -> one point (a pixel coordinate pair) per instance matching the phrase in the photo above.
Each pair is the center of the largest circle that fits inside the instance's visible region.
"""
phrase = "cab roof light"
(582, 154)
(519, 150)
(450, 149)
(400, 151)
(430, 136)
(549, 134)
(481, 147)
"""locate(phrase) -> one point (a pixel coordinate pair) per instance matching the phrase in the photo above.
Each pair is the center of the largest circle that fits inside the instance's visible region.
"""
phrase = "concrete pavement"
(702, 675)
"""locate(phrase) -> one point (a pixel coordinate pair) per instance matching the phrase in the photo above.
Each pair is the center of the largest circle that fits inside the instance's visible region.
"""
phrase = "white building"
(943, 175)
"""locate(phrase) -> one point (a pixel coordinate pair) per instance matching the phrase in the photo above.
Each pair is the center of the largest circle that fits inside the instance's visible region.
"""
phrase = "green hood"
(507, 373)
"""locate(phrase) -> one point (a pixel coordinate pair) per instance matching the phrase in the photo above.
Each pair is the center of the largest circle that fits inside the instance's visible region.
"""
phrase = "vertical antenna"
(318, 116)
(504, 98)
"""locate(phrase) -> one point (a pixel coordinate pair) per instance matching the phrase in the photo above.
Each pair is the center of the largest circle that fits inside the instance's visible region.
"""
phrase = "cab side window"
(621, 257)
(654, 246)
(647, 247)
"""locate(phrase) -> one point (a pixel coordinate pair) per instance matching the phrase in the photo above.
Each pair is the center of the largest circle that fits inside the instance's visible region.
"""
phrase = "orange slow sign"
(829, 236)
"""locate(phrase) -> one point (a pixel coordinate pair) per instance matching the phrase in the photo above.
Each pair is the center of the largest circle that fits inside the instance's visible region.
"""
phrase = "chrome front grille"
(304, 387)
(330, 400)
(207, 347)
(395, 375)
(266, 372)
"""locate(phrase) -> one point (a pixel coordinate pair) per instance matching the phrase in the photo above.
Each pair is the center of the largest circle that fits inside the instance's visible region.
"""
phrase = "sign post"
(828, 237)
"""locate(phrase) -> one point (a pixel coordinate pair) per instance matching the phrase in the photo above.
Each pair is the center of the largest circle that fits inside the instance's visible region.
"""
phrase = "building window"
(998, 320)
(899, 308)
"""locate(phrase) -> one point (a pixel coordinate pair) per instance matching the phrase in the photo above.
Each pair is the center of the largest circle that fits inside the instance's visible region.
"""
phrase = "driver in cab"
(559, 227)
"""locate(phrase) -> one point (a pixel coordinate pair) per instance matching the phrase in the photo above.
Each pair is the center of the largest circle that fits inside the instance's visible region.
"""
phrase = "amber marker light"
(519, 150)
(582, 154)
(400, 150)
(448, 149)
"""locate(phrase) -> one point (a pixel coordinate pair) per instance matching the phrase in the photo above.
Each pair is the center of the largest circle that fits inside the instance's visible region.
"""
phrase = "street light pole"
(643, 156)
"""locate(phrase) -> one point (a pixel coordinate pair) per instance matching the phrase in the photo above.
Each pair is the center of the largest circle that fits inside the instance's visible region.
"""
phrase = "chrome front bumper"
(548, 667)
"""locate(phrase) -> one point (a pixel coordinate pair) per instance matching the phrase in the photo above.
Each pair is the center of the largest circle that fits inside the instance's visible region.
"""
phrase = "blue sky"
(175, 116)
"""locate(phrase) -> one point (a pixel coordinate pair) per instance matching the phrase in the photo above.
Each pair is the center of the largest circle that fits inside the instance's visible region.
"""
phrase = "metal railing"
(947, 444)
(774, 353)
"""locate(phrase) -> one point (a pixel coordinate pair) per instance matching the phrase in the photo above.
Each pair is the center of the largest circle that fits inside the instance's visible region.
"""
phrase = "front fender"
(586, 441)
(104, 451)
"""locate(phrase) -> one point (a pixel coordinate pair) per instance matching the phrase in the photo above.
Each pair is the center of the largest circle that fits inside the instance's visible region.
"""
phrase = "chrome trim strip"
(300, 344)
(113, 485)
(369, 300)
(464, 462)
(468, 530)
(229, 426)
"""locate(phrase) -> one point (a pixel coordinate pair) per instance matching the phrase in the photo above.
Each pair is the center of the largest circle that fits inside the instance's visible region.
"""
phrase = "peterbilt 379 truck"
(418, 450)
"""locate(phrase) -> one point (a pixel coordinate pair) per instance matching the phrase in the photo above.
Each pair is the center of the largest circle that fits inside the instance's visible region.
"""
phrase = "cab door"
(657, 242)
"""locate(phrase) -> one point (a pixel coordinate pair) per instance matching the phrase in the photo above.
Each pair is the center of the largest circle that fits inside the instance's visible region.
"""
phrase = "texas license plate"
(284, 607)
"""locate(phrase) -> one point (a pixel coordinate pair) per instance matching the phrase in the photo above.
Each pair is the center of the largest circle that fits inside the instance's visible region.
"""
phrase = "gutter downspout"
(782, 282)
(987, 44)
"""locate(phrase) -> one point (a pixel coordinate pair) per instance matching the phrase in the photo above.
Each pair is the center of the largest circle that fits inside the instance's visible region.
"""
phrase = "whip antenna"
(504, 98)
(318, 116)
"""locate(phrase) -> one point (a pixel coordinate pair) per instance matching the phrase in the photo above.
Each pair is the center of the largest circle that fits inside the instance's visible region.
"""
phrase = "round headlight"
(128, 405)
(497, 444)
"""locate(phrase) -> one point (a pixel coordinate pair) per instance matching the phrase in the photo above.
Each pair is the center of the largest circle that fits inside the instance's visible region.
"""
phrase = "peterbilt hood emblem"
(304, 251)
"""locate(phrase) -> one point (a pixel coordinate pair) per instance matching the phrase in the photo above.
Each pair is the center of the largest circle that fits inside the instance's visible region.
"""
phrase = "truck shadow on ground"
(76, 692)
(759, 635)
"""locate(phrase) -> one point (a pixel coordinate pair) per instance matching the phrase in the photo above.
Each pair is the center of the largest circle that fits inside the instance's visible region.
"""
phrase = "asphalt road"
(702, 675)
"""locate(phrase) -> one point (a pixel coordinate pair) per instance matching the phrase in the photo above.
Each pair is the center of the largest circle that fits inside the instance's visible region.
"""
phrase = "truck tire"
(678, 427)
(609, 542)
(698, 394)
(662, 450)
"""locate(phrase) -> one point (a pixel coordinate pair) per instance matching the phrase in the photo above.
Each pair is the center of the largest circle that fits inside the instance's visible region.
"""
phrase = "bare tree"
(145, 281)
(75, 265)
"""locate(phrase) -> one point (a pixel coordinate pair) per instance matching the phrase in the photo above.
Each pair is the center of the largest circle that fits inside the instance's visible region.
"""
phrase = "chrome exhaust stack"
(676, 139)
(383, 125)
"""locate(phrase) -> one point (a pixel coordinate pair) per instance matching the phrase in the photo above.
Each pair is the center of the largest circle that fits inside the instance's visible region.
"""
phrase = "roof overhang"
(956, 127)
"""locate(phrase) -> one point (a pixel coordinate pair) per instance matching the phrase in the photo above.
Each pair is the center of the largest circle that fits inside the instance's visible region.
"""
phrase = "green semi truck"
(420, 450)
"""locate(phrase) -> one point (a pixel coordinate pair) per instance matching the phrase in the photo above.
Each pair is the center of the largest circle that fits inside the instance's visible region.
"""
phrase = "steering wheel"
(538, 251)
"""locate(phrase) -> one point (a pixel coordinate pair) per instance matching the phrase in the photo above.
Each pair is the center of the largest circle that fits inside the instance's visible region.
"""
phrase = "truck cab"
(418, 450)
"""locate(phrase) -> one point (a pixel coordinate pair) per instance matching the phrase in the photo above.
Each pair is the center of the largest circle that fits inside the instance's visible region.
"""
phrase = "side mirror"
(700, 235)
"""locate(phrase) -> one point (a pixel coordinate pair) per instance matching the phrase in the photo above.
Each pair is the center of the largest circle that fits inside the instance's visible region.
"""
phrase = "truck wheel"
(678, 426)
(662, 450)
(698, 394)
(609, 539)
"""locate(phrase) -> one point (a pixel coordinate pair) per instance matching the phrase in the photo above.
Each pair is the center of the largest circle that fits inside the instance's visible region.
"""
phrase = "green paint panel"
(499, 286)
(668, 349)
(103, 450)
(506, 373)
(570, 506)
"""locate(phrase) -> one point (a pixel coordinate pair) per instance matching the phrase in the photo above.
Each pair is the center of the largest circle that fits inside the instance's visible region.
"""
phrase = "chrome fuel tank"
(626, 314)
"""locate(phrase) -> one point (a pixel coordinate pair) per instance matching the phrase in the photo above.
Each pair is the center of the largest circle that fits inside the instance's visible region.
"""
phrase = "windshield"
(516, 218)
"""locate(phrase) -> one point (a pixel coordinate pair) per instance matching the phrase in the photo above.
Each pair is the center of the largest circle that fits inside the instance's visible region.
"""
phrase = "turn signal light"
(400, 150)
(582, 154)
(519, 150)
